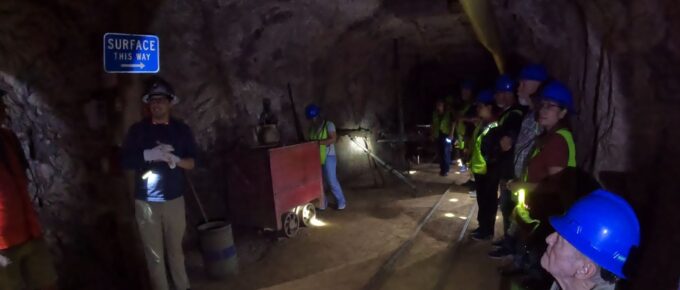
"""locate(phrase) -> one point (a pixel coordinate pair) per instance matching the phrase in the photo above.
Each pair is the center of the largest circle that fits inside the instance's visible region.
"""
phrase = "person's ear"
(587, 270)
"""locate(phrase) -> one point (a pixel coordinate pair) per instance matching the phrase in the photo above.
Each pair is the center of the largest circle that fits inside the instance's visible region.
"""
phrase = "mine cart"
(276, 187)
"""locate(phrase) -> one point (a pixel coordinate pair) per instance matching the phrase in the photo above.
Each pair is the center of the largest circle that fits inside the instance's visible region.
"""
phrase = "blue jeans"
(330, 181)
(444, 153)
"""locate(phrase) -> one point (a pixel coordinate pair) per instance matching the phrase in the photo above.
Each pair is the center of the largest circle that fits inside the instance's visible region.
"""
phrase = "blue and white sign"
(131, 53)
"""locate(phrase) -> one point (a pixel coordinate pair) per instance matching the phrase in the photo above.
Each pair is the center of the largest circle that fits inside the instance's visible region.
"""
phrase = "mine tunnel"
(262, 144)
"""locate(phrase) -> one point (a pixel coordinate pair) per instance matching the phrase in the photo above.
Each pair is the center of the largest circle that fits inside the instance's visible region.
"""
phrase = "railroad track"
(387, 269)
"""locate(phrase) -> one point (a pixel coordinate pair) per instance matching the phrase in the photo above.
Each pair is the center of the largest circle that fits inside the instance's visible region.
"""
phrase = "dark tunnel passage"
(373, 67)
(438, 79)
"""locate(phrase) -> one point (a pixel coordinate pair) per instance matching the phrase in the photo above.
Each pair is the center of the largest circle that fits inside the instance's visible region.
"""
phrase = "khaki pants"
(162, 226)
(27, 266)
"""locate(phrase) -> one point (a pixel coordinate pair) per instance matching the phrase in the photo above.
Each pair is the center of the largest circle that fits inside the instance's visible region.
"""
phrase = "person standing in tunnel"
(531, 79)
(25, 260)
(463, 110)
(483, 162)
(553, 152)
(509, 124)
(442, 134)
(554, 149)
(160, 149)
(323, 132)
(592, 242)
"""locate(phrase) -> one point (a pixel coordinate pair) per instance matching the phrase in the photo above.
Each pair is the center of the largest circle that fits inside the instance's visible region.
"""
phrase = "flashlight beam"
(392, 140)
(384, 164)
(349, 132)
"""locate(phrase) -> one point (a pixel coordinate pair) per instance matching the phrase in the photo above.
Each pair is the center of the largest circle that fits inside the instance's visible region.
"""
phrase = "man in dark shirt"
(159, 149)
(509, 124)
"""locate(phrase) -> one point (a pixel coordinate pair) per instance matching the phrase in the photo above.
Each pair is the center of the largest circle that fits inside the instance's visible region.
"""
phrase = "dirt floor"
(373, 244)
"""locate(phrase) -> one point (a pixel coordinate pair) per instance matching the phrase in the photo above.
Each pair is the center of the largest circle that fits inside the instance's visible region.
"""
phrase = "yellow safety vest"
(460, 128)
(521, 193)
(441, 123)
(322, 134)
(477, 162)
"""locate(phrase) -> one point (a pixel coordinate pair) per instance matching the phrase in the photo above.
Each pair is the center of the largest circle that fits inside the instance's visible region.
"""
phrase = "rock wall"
(621, 60)
(225, 56)
(64, 115)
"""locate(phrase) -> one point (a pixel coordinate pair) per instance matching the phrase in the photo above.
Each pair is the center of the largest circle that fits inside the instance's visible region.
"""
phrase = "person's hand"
(158, 153)
(164, 147)
(172, 160)
(506, 143)
(155, 154)
(516, 185)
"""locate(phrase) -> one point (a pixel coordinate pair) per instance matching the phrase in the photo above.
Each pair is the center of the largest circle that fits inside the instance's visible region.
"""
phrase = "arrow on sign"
(137, 65)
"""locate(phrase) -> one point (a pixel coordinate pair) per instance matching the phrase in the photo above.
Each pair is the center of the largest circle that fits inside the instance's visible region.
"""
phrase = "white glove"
(155, 154)
(4, 261)
(167, 148)
(172, 160)
(158, 153)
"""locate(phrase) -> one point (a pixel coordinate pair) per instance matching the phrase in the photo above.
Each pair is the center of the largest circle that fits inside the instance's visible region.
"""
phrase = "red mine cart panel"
(266, 183)
(296, 176)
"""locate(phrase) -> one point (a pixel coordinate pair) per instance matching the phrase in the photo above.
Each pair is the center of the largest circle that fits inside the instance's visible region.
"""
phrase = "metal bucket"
(217, 247)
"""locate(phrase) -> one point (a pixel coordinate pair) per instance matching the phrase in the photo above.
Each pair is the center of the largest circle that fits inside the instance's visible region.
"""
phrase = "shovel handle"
(198, 201)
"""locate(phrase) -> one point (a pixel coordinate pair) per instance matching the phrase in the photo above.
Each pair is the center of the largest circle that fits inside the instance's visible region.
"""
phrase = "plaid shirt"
(525, 142)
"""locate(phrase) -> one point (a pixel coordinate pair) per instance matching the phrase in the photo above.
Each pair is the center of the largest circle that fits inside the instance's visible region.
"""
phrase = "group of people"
(516, 137)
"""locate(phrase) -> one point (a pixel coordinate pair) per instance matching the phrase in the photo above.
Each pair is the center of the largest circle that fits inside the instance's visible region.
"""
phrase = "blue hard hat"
(311, 111)
(485, 97)
(534, 72)
(505, 83)
(603, 227)
(559, 93)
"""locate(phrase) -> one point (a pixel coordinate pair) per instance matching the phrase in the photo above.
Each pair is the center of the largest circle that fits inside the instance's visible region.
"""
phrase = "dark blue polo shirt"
(155, 181)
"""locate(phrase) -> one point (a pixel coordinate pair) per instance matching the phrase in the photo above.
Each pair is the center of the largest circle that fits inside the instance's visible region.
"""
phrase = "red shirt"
(18, 220)
(553, 152)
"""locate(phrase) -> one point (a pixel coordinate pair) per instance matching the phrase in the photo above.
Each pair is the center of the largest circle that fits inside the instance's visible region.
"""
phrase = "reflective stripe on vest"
(570, 143)
(477, 162)
(322, 134)
(505, 116)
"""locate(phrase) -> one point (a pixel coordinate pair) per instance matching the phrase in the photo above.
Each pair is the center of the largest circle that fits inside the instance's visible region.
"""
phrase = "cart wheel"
(291, 224)
(306, 214)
